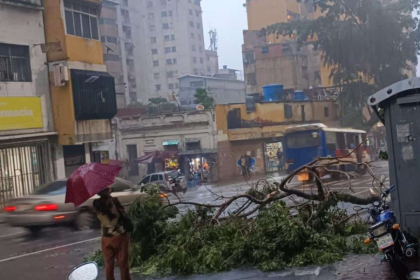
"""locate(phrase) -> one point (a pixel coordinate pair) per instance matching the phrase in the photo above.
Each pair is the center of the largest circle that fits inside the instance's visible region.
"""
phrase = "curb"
(2, 219)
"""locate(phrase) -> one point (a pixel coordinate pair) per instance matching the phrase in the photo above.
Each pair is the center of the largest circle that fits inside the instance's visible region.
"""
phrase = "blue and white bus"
(304, 143)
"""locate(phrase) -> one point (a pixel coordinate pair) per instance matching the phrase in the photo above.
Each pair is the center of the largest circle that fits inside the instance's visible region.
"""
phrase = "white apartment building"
(168, 43)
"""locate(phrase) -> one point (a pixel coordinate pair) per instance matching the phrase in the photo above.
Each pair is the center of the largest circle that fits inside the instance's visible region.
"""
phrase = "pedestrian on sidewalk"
(280, 157)
(115, 226)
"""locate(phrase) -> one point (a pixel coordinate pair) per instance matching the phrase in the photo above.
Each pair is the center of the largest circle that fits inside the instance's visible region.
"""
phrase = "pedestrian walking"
(280, 157)
(115, 228)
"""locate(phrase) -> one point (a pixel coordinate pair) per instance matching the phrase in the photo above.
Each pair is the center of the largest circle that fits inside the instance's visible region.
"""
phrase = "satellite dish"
(199, 107)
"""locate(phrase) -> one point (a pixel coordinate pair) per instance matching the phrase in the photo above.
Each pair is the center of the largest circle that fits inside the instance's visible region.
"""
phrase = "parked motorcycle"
(396, 245)
(86, 271)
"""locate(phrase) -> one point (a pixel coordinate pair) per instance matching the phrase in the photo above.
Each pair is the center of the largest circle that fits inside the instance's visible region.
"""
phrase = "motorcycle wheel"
(397, 265)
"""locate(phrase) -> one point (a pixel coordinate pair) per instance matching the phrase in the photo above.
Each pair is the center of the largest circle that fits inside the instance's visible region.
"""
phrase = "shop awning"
(170, 142)
(152, 157)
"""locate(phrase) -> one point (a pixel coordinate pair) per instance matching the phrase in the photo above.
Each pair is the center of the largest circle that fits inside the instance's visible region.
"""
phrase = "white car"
(167, 181)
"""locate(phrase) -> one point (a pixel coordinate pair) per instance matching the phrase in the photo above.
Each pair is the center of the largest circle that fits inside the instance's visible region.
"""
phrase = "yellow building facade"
(259, 132)
(82, 92)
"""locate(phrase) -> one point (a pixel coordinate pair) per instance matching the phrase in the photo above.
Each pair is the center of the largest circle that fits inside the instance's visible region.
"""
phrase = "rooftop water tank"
(272, 92)
(299, 96)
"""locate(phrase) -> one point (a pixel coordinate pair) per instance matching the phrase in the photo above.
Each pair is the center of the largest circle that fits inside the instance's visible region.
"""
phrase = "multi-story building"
(223, 90)
(83, 97)
(115, 51)
(168, 43)
(27, 134)
(276, 59)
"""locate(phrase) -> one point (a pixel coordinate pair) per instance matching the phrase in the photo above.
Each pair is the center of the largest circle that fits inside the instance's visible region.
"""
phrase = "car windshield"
(55, 188)
(173, 174)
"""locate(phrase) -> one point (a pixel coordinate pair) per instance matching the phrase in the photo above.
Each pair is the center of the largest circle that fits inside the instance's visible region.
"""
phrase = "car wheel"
(34, 230)
(85, 221)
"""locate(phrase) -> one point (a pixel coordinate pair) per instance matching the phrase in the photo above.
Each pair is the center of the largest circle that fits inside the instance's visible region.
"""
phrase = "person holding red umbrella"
(115, 239)
(87, 181)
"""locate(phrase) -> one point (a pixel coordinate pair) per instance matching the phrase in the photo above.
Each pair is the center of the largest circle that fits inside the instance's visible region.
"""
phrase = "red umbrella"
(88, 180)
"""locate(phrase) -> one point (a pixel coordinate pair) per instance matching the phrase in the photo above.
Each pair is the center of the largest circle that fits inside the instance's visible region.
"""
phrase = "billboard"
(20, 113)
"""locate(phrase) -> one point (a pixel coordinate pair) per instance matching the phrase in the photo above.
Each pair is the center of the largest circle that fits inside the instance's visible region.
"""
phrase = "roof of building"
(209, 78)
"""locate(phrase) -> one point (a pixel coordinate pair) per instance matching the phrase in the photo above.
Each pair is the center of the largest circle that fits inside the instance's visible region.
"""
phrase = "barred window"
(14, 63)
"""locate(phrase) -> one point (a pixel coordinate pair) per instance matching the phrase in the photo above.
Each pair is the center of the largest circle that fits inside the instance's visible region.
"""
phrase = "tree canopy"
(203, 97)
(367, 44)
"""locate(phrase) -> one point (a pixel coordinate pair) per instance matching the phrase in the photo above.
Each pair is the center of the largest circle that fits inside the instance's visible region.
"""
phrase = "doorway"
(270, 156)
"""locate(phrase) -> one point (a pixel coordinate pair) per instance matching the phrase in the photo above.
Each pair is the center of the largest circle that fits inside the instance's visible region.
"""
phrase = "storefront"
(25, 158)
(199, 165)
(271, 158)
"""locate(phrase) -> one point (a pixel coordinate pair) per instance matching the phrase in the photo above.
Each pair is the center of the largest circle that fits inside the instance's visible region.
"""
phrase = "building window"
(193, 47)
(171, 61)
(190, 11)
(251, 79)
(191, 24)
(176, 85)
(164, 14)
(200, 49)
(163, 2)
(199, 37)
(154, 51)
(326, 112)
(198, 25)
(155, 63)
(249, 58)
(113, 40)
(192, 36)
(201, 60)
(14, 63)
(171, 86)
(158, 87)
(103, 39)
(197, 2)
(167, 49)
(111, 57)
(107, 21)
(197, 84)
(167, 38)
(151, 16)
(194, 59)
(152, 27)
(264, 49)
(173, 37)
(169, 74)
(153, 40)
(81, 20)
(166, 26)
(173, 49)
(149, 4)
(156, 76)
(197, 13)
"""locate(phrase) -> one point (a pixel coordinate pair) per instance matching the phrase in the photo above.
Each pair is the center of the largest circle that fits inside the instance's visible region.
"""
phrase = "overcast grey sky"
(228, 17)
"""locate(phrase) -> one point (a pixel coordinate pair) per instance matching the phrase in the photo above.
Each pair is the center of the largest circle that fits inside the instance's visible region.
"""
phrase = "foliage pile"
(193, 243)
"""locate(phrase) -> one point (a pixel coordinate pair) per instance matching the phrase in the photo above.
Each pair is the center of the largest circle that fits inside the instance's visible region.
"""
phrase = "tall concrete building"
(168, 43)
(276, 59)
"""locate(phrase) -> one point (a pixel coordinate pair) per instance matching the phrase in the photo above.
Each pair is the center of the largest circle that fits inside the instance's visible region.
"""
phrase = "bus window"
(352, 140)
(331, 139)
(303, 140)
(341, 141)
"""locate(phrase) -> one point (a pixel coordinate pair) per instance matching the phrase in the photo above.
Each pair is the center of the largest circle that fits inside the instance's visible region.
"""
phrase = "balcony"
(30, 4)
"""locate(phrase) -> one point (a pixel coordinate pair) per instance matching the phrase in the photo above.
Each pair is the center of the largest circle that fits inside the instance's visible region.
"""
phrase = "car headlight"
(379, 231)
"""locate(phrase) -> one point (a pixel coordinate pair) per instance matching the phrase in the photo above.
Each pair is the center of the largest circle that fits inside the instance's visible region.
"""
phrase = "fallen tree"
(261, 230)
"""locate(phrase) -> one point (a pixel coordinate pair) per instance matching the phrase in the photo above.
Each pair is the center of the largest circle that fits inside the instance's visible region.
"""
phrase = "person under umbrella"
(87, 181)
(115, 238)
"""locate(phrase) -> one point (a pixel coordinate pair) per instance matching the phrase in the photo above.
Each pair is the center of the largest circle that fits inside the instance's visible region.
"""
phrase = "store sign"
(20, 113)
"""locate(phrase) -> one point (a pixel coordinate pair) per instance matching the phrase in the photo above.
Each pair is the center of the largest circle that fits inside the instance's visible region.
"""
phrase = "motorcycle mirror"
(376, 203)
(86, 271)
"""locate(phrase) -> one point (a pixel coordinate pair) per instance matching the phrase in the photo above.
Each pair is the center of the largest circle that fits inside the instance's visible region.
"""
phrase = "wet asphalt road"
(52, 255)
